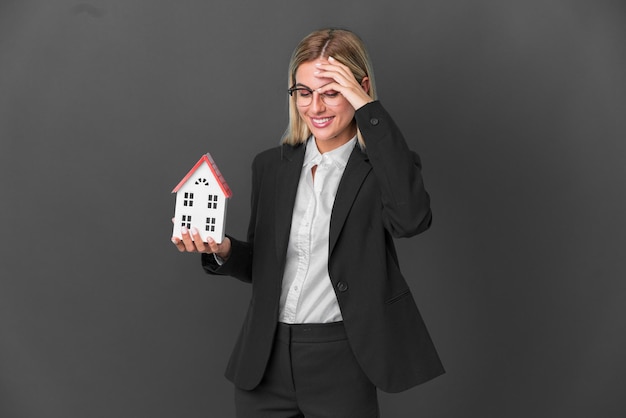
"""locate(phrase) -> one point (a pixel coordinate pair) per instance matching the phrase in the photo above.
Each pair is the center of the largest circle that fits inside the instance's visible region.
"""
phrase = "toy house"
(201, 200)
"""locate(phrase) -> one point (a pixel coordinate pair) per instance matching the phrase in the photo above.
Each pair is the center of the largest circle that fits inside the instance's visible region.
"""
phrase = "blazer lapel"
(354, 174)
(287, 179)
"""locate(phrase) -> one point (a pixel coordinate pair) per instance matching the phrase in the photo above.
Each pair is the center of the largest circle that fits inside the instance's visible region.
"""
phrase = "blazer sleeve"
(238, 264)
(406, 204)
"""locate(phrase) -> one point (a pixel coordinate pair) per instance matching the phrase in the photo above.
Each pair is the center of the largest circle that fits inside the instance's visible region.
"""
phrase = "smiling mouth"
(321, 121)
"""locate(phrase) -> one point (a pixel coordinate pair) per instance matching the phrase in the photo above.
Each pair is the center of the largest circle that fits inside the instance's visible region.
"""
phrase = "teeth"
(321, 120)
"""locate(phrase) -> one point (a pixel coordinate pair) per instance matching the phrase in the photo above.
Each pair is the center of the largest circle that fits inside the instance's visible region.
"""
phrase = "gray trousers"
(312, 373)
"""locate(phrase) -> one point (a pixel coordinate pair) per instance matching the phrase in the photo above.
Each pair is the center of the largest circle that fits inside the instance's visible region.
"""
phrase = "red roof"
(208, 160)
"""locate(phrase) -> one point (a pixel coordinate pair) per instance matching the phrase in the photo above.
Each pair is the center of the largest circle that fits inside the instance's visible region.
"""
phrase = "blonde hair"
(344, 46)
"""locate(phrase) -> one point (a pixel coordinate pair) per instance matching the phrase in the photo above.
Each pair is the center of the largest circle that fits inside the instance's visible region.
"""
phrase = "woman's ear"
(365, 84)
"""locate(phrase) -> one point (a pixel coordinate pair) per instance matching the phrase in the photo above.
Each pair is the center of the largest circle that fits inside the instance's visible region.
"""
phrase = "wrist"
(224, 250)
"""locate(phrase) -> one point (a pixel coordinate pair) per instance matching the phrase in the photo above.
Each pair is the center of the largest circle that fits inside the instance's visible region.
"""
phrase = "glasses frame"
(326, 95)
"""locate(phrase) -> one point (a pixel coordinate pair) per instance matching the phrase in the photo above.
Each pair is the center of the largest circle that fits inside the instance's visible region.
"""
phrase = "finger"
(179, 244)
(335, 70)
(356, 96)
(187, 241)
(343, 86)
(335, 77)
(213, 246)
(333, 63)
(343, 69)
(197, 240)
(332, 86)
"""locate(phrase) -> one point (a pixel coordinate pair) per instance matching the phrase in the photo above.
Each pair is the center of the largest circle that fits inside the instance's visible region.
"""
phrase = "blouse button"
(374, 121)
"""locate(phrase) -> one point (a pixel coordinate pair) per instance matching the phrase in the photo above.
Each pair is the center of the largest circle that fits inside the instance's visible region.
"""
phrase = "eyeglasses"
(304, 96)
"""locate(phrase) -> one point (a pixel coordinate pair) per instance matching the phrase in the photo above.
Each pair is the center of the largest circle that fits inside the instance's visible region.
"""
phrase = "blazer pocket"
(398, 297)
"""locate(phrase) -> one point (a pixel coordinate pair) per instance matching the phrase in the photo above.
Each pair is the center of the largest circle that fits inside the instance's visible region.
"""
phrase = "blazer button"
(342, 286)
(374, 121)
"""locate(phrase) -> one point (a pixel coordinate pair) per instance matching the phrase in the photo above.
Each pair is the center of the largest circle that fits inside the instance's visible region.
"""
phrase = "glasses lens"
(331, 97)
(303, 97)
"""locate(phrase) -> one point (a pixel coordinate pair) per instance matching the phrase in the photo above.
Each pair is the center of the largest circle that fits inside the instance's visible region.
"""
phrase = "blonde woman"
(331, 319)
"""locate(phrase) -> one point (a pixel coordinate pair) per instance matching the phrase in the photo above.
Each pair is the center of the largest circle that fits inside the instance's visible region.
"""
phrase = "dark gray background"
(517, 109)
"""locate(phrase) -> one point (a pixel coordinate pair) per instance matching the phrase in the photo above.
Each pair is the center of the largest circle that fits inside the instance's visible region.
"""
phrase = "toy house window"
(186, 221)
(202, 181)
(210, 224)
(188, 200)
(212, 201)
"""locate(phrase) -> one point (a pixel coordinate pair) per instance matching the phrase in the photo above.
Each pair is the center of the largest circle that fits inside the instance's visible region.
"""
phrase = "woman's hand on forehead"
(343, 81)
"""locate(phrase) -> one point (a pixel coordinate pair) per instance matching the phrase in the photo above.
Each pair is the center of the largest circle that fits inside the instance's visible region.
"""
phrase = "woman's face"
(332, 126)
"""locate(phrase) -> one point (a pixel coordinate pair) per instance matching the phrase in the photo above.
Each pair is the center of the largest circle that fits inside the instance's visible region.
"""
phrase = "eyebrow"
(307, 87)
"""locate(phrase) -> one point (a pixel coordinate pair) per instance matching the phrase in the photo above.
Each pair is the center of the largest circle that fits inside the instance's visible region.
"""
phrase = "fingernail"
(174, 240)
(331, 59)
(184, 230)
(317, 64)
(194, 230)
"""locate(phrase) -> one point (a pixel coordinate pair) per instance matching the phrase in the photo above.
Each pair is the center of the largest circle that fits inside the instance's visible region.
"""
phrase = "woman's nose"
(317, 104)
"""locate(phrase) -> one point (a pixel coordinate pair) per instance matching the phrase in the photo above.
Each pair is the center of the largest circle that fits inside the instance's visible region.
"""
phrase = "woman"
(331, 318)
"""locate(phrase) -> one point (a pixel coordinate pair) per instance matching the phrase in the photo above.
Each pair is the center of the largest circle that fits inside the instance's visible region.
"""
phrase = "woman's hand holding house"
(198, 245)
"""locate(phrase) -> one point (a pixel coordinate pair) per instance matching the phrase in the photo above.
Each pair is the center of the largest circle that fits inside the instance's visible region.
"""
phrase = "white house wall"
(193, 200)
